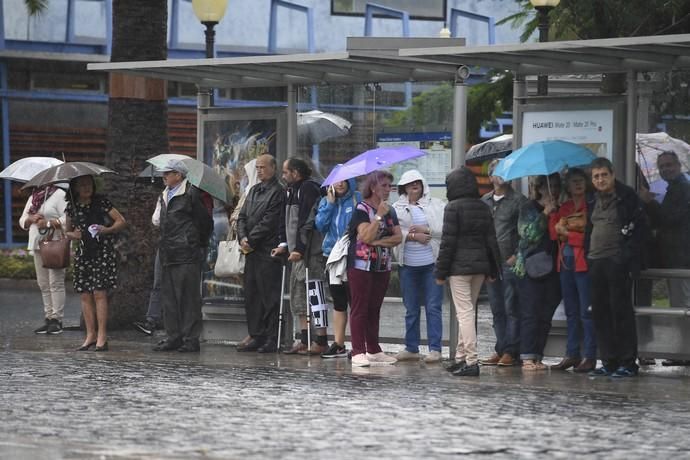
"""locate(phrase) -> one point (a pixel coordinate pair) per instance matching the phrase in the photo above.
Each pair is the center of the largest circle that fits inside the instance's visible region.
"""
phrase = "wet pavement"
(130, 402)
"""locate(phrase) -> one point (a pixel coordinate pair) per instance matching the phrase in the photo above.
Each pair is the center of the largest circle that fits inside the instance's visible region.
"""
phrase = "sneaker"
(380, 358)
(491, 360)
(335, 351)
(407, 356)
(55, 327)
(43, 329)
(506, 360)
(147, 327)
(602, 371)
(623, 372)
(468, 370)
(360, 360)
(433, 357)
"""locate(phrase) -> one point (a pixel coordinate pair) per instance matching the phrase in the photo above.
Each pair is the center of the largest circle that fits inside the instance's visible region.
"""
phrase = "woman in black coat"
(468, 255)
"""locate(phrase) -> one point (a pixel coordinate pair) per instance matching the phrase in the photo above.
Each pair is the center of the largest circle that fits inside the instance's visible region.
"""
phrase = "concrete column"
(291, 121)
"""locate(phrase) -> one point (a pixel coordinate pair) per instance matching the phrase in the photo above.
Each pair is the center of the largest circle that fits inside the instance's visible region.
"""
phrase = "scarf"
(39, 197)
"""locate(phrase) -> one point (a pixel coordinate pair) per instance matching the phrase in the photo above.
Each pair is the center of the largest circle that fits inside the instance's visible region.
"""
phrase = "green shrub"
(18, 264)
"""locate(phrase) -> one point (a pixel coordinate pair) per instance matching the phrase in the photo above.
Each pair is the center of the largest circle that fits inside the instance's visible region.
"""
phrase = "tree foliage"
(36, 7)
(592, 19)
(433, 109)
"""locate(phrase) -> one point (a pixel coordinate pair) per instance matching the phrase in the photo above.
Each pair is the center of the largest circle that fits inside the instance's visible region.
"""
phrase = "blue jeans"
(505, 308)
(538, 299)
(575, 288)
(418, 287)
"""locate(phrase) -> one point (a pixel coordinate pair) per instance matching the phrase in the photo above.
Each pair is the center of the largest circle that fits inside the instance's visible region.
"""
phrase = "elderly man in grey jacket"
(505, 204)
(186, 226)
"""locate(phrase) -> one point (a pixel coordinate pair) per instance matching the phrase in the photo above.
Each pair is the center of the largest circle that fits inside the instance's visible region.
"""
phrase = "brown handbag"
(54, 253)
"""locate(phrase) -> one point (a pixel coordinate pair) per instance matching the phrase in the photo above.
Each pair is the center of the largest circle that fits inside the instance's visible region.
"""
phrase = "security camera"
(463, 72)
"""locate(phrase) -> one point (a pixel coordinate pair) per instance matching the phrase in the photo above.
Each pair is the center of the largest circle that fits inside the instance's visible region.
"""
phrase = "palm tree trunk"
(137, 130)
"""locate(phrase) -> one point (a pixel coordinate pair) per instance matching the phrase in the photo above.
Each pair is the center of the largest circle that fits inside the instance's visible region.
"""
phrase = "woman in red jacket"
(567, 226)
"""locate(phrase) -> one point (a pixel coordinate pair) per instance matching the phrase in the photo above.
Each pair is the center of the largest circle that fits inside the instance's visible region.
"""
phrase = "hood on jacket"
(461, 183)
(351, 189)
(411, 176)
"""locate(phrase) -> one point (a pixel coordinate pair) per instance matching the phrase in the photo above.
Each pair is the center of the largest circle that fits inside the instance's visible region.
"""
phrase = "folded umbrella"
(65, 172)
(371, 160)
(543, 158)
(199, 174)
(26, 168)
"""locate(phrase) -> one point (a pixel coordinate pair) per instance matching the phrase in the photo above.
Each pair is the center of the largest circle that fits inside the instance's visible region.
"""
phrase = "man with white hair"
(185, 229)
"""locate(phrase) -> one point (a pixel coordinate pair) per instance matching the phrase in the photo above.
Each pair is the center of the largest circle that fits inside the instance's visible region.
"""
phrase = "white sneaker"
(407, 356)
(360, 360)
(380, 359)
(433, 357)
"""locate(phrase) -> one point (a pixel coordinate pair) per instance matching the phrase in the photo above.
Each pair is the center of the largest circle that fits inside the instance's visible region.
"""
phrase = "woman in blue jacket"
(332, 219)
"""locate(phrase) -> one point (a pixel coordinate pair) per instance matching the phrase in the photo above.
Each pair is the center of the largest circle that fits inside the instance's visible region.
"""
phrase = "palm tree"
(137, 130)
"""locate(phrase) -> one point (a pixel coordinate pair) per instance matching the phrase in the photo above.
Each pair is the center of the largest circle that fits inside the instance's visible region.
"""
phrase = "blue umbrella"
(371, 160)
(543, 158)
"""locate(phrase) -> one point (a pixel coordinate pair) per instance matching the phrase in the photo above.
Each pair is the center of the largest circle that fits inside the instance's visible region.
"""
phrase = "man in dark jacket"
(302, 242)
(468, 254)
(616, 229)
(505, 204)
(186, 226)
(256, 231)
(671, 220)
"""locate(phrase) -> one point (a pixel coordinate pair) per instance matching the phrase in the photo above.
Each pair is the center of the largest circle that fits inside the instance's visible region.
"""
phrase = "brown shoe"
(506, 360)
(491, 361)
(315, 349)
(586, 365)
(565, 364)
(296, 348)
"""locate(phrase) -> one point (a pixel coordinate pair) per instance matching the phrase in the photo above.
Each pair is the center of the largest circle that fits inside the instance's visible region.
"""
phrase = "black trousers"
(262, 275)
(181, 301)
(613, 313)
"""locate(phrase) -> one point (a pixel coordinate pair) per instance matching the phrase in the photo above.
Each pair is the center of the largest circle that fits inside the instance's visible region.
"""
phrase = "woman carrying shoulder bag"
(45, 212)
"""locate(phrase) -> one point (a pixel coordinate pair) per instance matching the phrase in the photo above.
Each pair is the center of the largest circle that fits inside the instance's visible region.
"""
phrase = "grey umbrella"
(498, 146)
(65, 172)
(314, 127)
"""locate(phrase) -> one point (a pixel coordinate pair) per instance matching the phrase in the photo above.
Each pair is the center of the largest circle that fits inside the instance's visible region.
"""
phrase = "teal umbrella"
(543, 158)
(199, 174)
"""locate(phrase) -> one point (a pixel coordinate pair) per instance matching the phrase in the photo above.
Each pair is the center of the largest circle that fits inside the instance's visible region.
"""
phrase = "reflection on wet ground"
(134, 403)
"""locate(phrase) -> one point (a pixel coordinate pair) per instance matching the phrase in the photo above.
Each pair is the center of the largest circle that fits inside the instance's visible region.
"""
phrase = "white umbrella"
(26, 168)
(650, 145)
(314, 127)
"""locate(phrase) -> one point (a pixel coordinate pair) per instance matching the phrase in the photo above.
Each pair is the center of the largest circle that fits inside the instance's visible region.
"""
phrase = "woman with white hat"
(421, 221)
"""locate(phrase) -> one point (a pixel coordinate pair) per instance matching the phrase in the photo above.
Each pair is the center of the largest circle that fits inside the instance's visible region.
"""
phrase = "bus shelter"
(663, 331)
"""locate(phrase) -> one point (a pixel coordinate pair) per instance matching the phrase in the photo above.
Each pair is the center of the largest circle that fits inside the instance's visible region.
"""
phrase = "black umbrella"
(498, 146)
(65, 172)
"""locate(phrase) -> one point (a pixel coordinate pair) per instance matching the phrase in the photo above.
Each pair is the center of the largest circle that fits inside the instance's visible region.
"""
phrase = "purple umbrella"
(371, 160)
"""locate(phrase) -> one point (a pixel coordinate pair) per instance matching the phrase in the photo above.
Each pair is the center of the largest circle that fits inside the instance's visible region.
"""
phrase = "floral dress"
(95, 261)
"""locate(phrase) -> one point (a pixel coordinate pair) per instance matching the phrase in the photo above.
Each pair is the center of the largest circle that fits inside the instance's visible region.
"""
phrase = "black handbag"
(539, 265)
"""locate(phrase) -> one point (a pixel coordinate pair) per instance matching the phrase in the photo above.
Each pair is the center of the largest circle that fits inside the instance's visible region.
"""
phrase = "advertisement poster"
(434, 166)
(590, 128)
(229, 141)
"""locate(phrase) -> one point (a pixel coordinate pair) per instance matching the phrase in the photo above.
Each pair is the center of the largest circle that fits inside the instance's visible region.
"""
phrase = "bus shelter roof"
(384, 60)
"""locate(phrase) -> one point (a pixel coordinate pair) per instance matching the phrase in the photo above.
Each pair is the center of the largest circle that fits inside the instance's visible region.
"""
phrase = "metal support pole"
(543, 13)
(631, 129)
(519, 91)
(291, 120)
(460, 117)
(203, 101)
(7, 185)
(210, 34)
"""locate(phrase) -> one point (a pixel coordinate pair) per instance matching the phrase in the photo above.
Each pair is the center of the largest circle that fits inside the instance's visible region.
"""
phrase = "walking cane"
(280, 314)
(306, 281)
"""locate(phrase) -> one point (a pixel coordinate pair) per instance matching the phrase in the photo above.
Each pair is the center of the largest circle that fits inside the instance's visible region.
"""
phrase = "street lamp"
(209, 12)
(543, 7)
